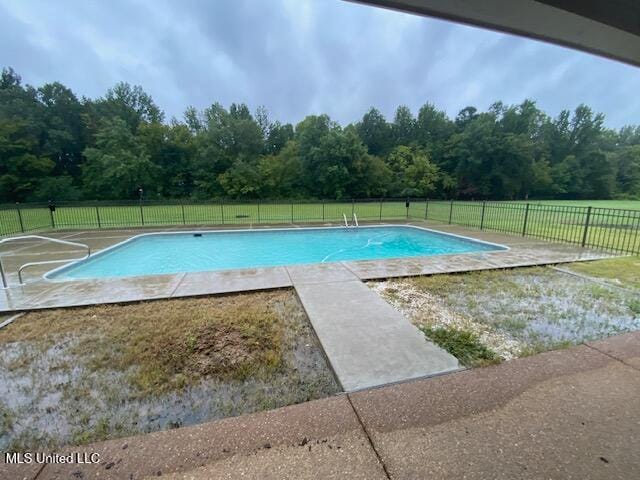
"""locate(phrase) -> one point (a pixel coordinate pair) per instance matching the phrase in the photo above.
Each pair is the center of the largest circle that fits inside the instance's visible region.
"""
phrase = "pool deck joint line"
(367, 341)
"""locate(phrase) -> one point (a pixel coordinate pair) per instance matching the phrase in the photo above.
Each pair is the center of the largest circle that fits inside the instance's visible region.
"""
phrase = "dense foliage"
(55, 146)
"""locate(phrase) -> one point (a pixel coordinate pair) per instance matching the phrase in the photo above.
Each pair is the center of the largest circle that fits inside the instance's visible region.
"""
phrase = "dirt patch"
(86, 374)
(216, 351)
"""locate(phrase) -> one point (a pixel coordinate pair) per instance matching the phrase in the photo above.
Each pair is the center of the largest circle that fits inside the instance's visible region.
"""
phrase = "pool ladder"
(355, 220)
(5, 285)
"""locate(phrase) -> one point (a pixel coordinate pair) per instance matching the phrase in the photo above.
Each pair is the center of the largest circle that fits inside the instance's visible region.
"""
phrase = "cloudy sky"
(300, 57)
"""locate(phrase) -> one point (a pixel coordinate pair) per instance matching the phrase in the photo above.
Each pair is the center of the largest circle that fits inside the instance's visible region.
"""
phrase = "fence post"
(426, 209)
(484, 203)
(323, 210)
(53, 221)
(381, 200)
(291, 212)
(222, 211)
(141, 213)
(98, 216)
(450, 212)
(353, 207)
(526, 217)
(184, 218)
(407, 207)
(586, 227)
(258, 212)
(20, 217)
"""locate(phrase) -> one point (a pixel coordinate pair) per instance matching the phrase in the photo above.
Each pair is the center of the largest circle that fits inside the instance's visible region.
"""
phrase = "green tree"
(404, 126)
(64, 132)
(54, 145)
(336, 163)
(628, 171)
(61, 188)
(412, 172)
(466, 116)
(117, 166)
(375, 132)
(283, 174)
(223, 138)
(21, 172)
(129, 103)
(433, 129)
(170, 148)
(277, 137)
(242, 180)
(599, 175)
(542, 179)
(370, 177)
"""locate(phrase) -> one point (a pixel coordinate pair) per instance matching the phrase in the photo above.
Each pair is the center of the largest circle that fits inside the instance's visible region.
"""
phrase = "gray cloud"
(299, 57)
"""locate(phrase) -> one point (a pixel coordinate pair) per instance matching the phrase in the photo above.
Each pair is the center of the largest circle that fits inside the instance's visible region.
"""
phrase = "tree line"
(56, 146)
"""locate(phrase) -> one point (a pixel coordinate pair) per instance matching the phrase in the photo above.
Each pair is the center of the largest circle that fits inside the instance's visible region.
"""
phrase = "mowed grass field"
(200, 214)
(621, 204)
(609, 224)
(612, 223)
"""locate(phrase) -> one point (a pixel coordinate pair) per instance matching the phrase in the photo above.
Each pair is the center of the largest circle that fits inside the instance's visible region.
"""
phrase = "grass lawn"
(87, 374)
(621, 271)
(227, 214)
(623, 204)
(482, 317)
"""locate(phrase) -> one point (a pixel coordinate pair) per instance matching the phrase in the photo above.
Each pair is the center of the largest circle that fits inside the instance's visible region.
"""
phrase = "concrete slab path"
(367, 341)
(572, 413)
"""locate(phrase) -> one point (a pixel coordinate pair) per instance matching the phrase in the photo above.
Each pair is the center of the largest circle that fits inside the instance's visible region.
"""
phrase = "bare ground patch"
(85, 374)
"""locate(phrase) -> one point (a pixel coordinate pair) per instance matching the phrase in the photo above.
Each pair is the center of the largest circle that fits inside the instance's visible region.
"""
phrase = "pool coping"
(106, 251)
(522, 252)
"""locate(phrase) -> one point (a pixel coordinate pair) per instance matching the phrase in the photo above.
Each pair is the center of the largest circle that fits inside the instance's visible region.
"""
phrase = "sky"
(301, 57)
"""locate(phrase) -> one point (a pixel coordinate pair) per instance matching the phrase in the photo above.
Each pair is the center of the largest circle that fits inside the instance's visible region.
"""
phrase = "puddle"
(424, 308)
(49, 396)
(516, 311)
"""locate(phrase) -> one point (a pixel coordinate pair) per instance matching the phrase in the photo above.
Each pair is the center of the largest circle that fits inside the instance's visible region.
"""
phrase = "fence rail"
(602, 228)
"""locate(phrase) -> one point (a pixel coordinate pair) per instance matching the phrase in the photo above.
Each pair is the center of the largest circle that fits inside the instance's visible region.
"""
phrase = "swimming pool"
(160, 253)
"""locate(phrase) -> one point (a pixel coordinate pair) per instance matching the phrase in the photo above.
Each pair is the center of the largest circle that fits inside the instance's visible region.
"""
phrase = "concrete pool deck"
(39, 293)
(572, 413)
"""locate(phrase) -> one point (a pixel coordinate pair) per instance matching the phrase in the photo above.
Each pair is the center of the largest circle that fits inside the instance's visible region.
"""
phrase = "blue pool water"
(152, 254)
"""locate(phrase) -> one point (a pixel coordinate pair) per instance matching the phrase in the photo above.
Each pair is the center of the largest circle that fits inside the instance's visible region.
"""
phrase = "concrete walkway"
(572, 413)
(367, 341)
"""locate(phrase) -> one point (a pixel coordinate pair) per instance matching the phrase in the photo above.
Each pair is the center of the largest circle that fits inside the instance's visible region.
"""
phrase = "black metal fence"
(604, 228)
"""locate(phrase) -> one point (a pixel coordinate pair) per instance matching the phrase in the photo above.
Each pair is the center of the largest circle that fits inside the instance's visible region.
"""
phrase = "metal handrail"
(31, 264)
(346, 224)
(355, 219)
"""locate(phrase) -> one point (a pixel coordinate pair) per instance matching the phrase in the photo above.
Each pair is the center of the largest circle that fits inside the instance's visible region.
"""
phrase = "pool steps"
(5, 285)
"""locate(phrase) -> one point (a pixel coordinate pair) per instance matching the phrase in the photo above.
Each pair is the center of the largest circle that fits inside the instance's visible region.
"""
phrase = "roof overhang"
(607, 28)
